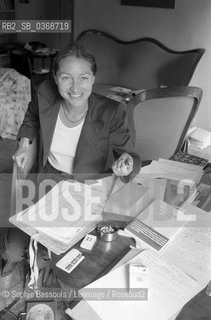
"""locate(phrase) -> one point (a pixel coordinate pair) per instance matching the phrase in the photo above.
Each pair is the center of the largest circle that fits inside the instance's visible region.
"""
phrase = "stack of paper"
(200, 138)
(64, 215)
(173, 170)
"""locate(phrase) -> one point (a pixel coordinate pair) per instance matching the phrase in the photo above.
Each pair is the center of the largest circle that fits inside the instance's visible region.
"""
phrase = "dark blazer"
(104, 136)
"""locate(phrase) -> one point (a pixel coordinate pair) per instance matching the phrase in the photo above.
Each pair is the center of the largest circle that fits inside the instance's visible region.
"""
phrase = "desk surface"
(198, 308)
(101, 260)
(103, 257)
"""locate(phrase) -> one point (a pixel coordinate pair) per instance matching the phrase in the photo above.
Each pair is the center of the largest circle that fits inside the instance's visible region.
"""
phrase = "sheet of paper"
(190, 249)
(170, 170)
(130, 200)
(168, 291)
(156, 186)
(182, 165)
(200, 135)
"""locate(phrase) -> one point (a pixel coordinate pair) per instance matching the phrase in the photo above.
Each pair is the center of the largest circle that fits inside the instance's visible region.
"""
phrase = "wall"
(37, 10)
(186, 27)
(46, 10)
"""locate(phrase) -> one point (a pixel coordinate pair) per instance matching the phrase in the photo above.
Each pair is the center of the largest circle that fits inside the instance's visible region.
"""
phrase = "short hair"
(77, 51)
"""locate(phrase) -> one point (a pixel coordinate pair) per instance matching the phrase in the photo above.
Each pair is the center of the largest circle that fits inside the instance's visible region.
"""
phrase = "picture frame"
(168, 4)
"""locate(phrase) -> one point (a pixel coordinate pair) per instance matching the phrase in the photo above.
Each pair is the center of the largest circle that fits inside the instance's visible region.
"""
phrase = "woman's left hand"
(123, 166)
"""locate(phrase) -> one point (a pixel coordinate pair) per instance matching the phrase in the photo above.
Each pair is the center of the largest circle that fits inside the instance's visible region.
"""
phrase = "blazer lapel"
(88, 132)
(83, 143)
(48, 122)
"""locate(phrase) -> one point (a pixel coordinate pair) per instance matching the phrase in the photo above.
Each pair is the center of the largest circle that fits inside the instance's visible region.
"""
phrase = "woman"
(81, 135)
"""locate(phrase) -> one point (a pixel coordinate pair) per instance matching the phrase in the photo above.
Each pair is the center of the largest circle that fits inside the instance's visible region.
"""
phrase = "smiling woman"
(74, 81)
(74, 74)
(81, 135)
(72, 108)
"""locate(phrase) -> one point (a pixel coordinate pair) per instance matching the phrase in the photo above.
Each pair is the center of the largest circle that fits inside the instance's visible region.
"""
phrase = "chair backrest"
(160, 119)
(139, 64)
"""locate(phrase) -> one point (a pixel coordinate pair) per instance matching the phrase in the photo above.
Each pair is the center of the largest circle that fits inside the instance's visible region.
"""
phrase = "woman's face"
(75, 79)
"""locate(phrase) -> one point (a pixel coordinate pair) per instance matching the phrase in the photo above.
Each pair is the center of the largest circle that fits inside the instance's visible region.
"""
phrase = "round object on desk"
(108, 231)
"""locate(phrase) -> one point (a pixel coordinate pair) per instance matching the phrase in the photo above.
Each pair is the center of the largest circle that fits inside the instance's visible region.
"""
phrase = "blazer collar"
(86, 132)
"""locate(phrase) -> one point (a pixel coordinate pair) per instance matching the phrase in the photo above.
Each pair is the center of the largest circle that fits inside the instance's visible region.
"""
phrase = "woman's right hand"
(22, 153)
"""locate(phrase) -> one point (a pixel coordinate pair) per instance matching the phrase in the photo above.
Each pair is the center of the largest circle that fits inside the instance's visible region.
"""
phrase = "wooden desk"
(198, 308)
(103, 257)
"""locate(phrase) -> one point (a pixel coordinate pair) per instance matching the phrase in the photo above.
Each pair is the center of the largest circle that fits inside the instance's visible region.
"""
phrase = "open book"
(64, 215)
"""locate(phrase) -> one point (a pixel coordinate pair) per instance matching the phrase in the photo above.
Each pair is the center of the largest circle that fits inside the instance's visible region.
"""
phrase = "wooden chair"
(143, 63)
(40, 65)
(43, 261)
(19, 174)
(160, 118)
